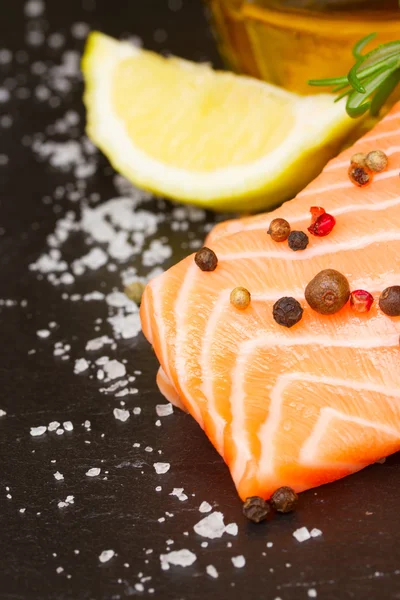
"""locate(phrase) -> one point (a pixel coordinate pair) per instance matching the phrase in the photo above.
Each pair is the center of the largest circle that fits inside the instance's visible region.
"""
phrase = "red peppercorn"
(361, 301)
(316, 211)
(323, 225)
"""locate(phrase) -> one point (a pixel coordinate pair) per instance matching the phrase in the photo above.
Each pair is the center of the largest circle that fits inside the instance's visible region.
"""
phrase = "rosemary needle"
(370, 81)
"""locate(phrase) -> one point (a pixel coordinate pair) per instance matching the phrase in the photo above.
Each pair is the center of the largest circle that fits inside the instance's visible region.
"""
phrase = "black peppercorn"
(256, 509)
(389, 301)
(298, 240)
(284, 499)
(206, 259)
(287, 311)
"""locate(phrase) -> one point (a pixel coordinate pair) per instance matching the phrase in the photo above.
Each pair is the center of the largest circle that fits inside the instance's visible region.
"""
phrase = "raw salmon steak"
(301, 406)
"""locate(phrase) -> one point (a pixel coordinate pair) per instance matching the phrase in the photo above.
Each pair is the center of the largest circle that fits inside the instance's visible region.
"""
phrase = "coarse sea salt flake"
(238, 561)
(43, 333)
(81, 365)
(302, 534)
(106, 555)
(2, 413)
(93, 472)
(164, 410)
(205, 507)
(180, 558)
(58, 476)
(121, 414)
(212, 571)
(53, 425)
(98, 343)
(161, 467)
(35, 431)
(68, 426)
(315, 532)
(114, 369)
(232, 529)
(212, 526)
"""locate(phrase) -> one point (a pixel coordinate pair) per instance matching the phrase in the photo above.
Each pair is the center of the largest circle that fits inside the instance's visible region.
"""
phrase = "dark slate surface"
(358, 555)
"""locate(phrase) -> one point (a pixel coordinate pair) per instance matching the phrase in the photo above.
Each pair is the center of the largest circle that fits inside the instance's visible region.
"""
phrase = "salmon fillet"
(301, 406)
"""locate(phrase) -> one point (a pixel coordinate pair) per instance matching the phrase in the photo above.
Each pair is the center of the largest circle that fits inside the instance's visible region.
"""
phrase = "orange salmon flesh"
(301, 406)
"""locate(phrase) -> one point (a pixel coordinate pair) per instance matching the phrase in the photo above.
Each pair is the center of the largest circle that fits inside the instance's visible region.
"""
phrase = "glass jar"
(287, 42)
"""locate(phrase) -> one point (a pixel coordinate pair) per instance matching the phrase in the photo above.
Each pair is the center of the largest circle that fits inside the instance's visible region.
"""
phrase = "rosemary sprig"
(371, 79)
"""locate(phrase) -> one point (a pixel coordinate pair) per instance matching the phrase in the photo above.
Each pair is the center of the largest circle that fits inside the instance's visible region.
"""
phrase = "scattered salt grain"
(81, 365)
(36, 431)
(2, 413)
(93, 472)
(98, 343)
(68, 426)
(205, 507)
(59, 570)
(34, 8)
(178, 492)
(121, 414)
(87, 424)
(114, 369)
(302, 534)
(158, 488)
(315, 532)
(212, 571)
(238, 561)
(164, 410)
(161, 467)
(158, 423)
(53, 425)
(212, 526)
(139, 587)
(181, 558)
(43, 333)
(137, 410)
(161, 520)
(22, 510)
(270, 544)
(232, 529)
(106, 555)
(312, 593)
(60, 431)
(58, 476)
(204, 544)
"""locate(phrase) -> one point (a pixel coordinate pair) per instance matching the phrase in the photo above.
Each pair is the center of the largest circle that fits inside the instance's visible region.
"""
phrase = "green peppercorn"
(298, 240)
(240, 297)
(206, 259)
(284, 499)
(134, 291)
(389, 301)
(256, 509)
(328, 292)
(376, 160)
(358, 159)
(279, 230)
(287, 311)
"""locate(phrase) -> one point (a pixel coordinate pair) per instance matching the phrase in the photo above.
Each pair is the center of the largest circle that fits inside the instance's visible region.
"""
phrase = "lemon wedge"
(204, 137)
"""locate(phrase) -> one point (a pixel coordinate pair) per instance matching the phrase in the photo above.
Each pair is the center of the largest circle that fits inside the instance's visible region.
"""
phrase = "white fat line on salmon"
(207, 385)
(268, 429)
(345, 184)
(346, 163)
(376, 136)
(327, 414)
(349, 208)
(357, 243)
(180, 341)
